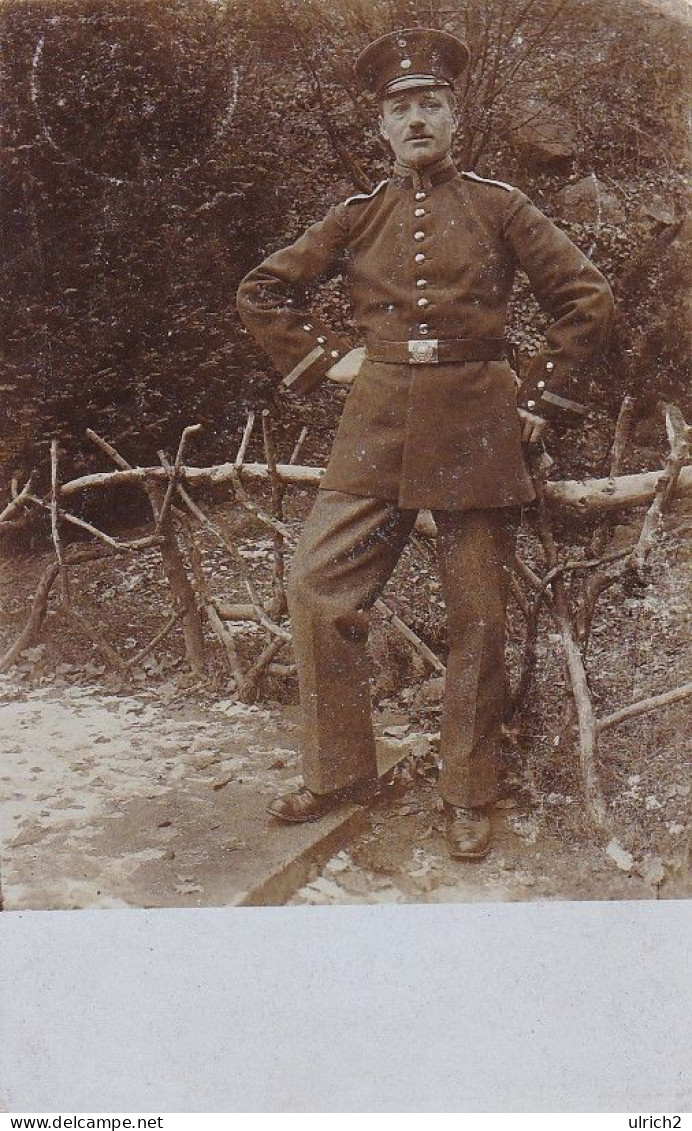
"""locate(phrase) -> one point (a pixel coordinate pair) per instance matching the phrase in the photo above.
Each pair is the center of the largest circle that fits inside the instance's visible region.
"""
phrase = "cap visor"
(410, 82)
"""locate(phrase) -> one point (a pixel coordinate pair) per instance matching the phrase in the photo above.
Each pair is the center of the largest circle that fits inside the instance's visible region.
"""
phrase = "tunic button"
(334, 353)
(419, 212)
(423, 302)
(530, 404)
(419, 257)
(541, 385)
(419, 235)
(550, 365)
(321, 340)
(307, 327)
(421, 282)
(421, 195)
(423, 328)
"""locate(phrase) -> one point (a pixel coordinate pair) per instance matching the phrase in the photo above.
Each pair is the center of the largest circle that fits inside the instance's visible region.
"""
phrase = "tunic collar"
(436, 174)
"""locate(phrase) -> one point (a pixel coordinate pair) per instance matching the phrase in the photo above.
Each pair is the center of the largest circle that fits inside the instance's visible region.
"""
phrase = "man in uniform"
(433, 420)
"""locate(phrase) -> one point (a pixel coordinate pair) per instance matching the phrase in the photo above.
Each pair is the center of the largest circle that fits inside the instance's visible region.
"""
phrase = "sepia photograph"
(345, 485)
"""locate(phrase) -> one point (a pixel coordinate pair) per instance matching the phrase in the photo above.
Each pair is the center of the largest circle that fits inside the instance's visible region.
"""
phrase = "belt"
(432, 351)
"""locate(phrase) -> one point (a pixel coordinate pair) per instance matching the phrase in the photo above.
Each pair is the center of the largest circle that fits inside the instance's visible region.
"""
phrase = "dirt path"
(153, 799)
(123, 800)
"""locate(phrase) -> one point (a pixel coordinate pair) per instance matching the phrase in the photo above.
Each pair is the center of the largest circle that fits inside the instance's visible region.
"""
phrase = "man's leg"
(476, 550)
(347, 551)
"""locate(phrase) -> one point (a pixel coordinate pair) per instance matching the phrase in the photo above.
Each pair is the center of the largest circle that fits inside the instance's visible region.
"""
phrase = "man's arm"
(579, 300)
(271, 303)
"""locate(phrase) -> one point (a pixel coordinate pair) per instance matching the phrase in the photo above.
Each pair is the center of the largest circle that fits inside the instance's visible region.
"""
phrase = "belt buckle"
(423, 351)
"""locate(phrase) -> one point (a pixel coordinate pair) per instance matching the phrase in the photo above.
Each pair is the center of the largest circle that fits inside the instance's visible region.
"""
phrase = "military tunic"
(429, 258)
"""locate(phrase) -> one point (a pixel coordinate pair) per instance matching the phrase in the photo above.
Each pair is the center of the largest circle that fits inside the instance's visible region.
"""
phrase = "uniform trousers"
(346, 554)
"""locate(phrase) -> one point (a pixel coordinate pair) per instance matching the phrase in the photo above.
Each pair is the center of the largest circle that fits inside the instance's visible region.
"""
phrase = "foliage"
(137, 191)
(152, 153)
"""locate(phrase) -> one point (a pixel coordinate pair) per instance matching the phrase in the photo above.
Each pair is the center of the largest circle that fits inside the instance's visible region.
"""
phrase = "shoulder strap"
(366, 195)
(487, 181)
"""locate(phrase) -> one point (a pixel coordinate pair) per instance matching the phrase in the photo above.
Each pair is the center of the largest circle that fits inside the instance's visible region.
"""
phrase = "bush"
(152, 153)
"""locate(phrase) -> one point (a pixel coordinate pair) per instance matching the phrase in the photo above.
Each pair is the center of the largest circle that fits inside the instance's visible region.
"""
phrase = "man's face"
(419, 125)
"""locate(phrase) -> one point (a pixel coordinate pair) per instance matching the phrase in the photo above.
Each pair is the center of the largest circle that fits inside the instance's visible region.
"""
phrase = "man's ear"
(383, 132)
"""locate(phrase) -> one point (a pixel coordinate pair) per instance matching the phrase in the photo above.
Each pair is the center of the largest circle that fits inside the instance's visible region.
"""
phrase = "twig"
(155, 641)
(621, 436)
(182, 591)
(175, 472)
(110, 451)
(247, 433)
(225, 542)
(114, 543)
(579, 564)
(517, 594)
(678, 435)
(261, 515)
(415, 641)
(644, 706)
(248, 688)
(278, 607)
(273, 629)
(530, 576)
(529, 653)
(55, 524)
(578, 497)
(17, 500)
(224, 636)
(179, 582)
(586, 719)
(236, 611)
(39, 606)
(284, 670)
(665, 488)
(253, 613)
(591, 586)
(298, 446)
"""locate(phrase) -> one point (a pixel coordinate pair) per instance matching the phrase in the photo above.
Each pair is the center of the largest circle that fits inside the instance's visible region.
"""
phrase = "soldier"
(433, 420)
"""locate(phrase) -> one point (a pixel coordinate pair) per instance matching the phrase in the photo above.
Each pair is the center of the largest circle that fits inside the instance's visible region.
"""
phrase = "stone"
(620, 856)
(545, 135)
(433, 690)
(655, 208)
(587, 201)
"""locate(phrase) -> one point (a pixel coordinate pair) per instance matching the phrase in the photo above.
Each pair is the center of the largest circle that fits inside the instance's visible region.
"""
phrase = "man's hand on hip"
(533, 427)
(346, 369)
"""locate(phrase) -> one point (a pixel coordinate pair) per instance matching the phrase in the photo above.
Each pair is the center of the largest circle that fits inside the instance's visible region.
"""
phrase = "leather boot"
(302, 805)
